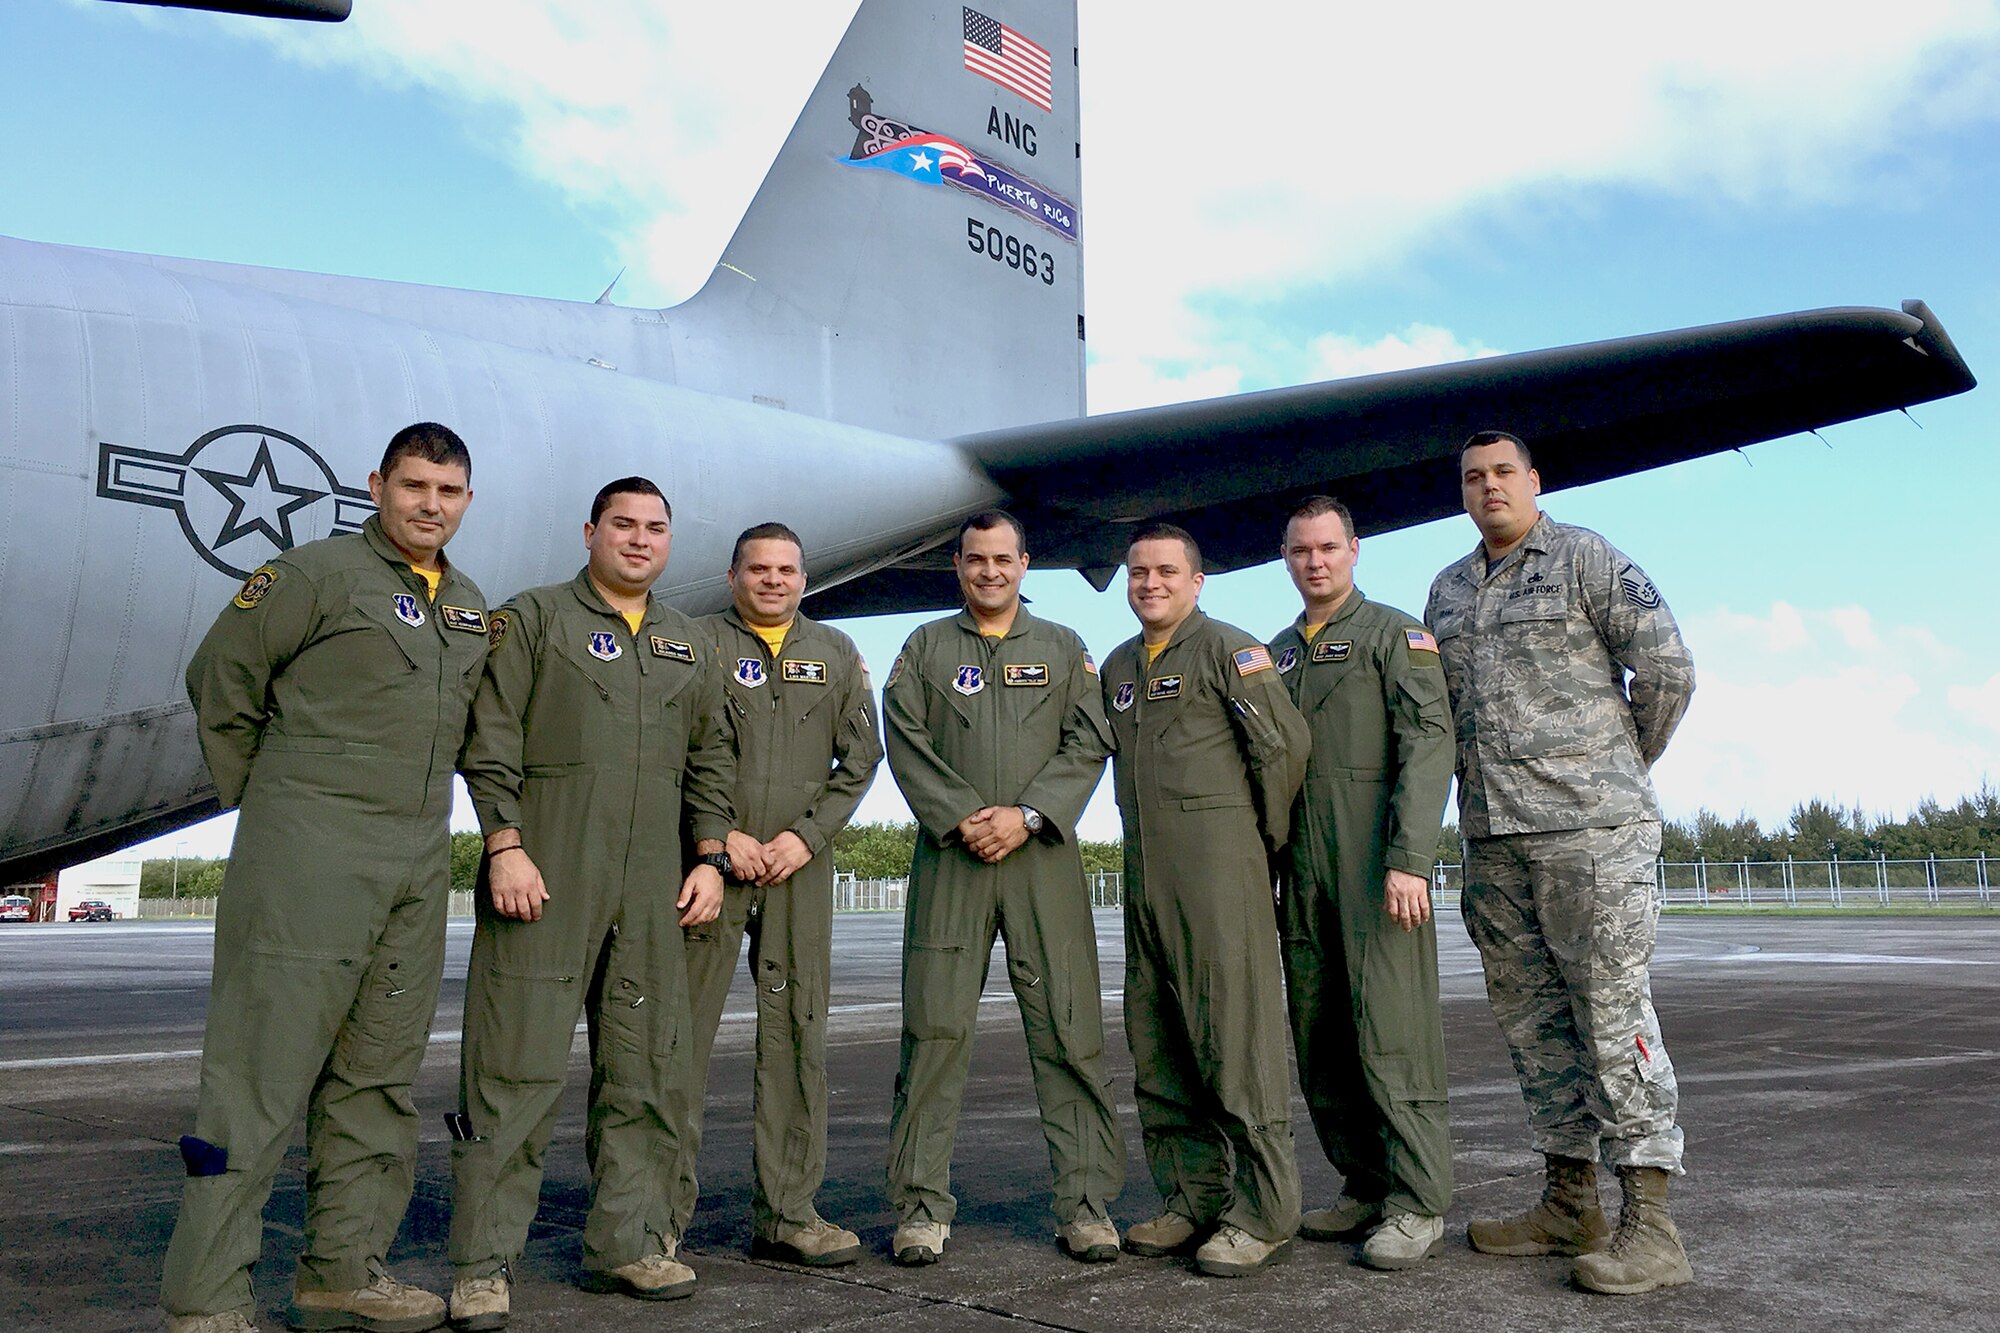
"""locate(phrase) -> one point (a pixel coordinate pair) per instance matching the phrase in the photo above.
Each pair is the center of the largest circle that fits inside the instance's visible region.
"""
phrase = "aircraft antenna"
(1913, 421)
(604, 297)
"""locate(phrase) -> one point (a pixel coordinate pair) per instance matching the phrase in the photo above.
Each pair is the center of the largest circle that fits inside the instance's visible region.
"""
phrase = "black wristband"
(510, 847)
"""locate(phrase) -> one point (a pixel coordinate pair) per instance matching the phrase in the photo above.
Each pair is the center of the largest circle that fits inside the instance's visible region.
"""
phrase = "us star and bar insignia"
(1251, 660)
(809, 673)
(671, 649)
(1025, 674)
(1333, 650)
(468, 619)
(1165, 687)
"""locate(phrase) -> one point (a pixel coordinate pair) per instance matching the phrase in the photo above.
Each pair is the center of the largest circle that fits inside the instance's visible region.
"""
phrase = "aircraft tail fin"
(913, 260)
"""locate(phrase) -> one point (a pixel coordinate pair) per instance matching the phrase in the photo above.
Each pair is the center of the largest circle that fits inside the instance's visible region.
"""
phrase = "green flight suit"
(1210, 753)
(331, 696)
(598, 744)
(806, 750)
(971, 722)
(1363, 991)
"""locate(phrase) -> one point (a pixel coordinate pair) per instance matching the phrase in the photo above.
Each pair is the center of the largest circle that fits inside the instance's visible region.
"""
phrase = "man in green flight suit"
(331, 696)
(806, 750)
(1210, 753)
(1360, 946)
(598, 734)
(996, 735)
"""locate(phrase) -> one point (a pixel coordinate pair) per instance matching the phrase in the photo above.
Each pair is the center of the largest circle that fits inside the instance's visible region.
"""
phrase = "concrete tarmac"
(1838, 1086)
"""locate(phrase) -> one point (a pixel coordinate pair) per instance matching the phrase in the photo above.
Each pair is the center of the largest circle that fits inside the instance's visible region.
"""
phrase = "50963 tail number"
(1010, 250)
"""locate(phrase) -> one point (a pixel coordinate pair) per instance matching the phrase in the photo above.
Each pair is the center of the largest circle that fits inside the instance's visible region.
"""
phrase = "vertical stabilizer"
(913, 260)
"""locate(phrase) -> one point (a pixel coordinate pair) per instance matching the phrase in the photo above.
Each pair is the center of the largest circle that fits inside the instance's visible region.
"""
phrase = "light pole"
(175, 895)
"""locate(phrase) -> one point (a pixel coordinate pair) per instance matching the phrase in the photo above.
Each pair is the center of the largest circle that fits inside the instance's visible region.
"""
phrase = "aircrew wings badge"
(1250, 661)
(254, 587)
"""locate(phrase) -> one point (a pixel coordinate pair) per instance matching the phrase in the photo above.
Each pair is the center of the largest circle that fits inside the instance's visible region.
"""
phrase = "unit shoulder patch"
(496, 627)
(671, 649)
(260, 582)
(466, 619)
(895, 672)
(1025, 673)
(802, 672)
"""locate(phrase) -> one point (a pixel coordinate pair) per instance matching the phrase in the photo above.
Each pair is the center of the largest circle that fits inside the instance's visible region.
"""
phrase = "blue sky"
(1367, 192)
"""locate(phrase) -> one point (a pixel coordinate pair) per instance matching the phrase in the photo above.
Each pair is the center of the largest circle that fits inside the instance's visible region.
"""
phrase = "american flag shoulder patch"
(1089, 664)
(1420, 640)
(1249, 661)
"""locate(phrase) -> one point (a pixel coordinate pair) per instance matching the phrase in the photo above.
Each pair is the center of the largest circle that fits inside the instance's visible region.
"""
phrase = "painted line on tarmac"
(446, 1038)
(1892, 959)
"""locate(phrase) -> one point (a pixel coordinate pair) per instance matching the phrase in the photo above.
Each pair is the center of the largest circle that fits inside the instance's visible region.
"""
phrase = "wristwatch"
(1032, 818)
(720, 860)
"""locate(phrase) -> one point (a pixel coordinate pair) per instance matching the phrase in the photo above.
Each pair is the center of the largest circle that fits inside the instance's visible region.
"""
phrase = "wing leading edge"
(1387, 444)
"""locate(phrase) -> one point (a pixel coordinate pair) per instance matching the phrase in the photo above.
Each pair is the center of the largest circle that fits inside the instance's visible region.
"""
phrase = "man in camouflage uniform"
(331, 696)
(1538, 628)
(1361, 965)
(806, 750)
(996, 735)
(598, 738)
(1211, 752)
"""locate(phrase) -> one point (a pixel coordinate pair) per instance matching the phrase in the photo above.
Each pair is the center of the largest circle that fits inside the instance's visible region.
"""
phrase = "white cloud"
(1252, 155)
(1796, 703)
(1979, 704)
(1337, 356)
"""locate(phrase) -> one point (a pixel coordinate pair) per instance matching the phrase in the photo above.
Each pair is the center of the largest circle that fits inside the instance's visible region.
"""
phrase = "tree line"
(1819, 830)
(882, 850)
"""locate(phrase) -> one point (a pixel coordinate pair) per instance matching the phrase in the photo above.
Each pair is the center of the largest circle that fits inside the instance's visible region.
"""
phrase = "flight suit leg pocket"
(933, 983)
(386, 1031)
(522, 1023)
(637, 1031)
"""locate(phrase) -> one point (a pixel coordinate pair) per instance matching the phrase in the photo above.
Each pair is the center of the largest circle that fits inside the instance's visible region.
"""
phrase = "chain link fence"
(1935, 881)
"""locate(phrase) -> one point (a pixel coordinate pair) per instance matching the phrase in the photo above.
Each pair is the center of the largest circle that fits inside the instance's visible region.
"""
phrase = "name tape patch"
(1027, 673)
(469, 620)
(672, 649)
(1164, 687)
(808, 673)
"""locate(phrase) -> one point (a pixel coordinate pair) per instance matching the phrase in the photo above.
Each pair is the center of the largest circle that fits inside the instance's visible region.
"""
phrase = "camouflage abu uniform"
(806, 749)
(1363, 991)
(332, 695)
(1210, 754)
(1562, 826)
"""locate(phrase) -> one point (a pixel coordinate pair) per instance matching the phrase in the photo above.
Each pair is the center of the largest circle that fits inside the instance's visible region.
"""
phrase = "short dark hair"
(626, 486)
(765, 532)
(1167, 532)
(1315, 505)
(1481, 438)
(432, 443)
(985, 521)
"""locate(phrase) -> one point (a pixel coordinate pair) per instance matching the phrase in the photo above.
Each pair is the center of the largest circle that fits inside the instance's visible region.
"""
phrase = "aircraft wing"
(1227, 468)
